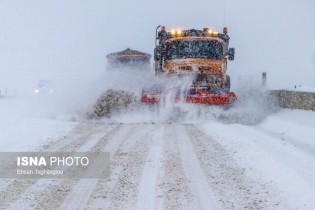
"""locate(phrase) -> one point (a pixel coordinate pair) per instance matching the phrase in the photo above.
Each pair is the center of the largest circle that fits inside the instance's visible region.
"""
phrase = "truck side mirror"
(231, 53)
(157, 53)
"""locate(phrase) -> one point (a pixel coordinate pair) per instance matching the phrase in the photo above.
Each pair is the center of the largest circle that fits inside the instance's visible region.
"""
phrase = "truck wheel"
(228, 84)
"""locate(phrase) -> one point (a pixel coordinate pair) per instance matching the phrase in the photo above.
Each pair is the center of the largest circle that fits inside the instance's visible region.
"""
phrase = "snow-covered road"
(183, 166)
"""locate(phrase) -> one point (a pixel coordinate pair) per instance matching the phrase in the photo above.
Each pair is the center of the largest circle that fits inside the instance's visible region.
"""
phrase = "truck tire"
(228, 84)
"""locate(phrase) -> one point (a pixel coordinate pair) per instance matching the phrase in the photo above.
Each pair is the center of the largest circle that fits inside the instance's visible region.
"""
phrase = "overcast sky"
(54, 39)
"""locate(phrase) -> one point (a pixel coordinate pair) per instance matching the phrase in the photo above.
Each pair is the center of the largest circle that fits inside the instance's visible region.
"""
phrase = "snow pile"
(112, 101)
(252, 107)
(120, 103)
(254, 104)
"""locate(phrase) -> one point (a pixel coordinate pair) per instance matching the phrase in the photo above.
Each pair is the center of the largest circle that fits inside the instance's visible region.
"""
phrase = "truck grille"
(185, 68)
(205, 68)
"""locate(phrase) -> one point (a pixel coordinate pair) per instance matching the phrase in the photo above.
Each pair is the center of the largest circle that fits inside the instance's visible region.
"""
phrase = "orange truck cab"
(201, 53)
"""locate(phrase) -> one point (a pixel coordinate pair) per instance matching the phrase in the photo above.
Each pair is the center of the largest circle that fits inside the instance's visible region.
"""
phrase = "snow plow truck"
(201, 53)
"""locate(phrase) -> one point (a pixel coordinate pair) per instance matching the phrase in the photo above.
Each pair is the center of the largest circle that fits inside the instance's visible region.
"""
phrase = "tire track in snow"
(76, 137)
(31, 195)
(173, 190)
(120, 191)
(83, 189)
(148, 184)
(80, 193)
(198, 182)
(231, 183)
(65, 187)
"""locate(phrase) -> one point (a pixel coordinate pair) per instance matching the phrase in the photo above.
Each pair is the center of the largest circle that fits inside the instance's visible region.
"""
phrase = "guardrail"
(295, 99)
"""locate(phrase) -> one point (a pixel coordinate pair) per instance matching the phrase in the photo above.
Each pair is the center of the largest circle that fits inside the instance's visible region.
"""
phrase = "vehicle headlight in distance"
(36, 91)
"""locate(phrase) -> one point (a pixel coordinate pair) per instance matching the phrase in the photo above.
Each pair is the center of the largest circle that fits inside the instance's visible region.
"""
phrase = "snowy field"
(205, 164)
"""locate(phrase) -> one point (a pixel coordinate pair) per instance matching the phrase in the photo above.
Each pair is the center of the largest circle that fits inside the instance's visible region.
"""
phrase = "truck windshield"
(193, 49)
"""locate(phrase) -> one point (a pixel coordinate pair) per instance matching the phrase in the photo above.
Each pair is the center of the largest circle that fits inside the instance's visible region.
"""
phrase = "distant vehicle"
(44, 87)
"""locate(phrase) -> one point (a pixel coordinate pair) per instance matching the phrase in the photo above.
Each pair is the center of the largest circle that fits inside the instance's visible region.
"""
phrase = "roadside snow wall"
(295, 99)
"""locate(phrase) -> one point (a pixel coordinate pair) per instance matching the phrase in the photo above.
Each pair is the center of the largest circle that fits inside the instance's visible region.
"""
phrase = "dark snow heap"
(112, 101)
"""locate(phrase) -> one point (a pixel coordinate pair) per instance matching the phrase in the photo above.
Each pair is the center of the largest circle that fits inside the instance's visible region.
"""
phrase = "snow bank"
(111, 102)
(279, 151)
(25, 124)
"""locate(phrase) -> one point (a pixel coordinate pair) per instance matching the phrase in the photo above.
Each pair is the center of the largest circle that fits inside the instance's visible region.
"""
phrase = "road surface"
(172, 166)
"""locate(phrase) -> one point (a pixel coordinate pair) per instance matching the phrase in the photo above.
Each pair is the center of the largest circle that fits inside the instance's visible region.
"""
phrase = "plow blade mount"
(196, 98)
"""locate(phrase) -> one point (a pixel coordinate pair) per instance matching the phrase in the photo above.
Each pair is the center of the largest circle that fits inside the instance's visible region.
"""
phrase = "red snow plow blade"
(209, 98)
(198, 97)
